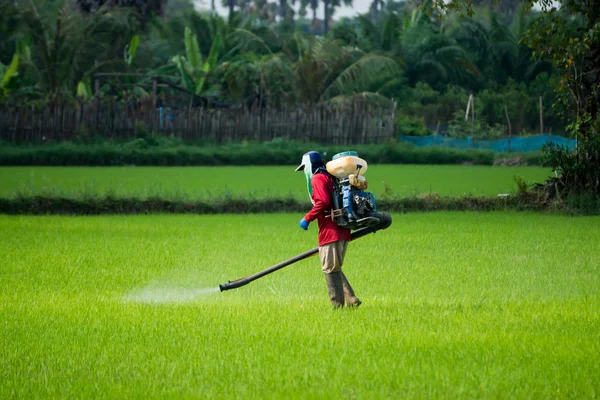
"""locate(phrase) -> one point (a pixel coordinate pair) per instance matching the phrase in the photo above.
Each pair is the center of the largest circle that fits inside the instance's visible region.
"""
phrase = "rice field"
(258, 182)
(455, 305)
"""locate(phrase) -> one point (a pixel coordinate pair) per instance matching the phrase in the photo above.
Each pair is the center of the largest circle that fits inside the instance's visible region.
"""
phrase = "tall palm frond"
(71, 45)
(361, 71)
(326, 69)
(433, 57)
(243, 39)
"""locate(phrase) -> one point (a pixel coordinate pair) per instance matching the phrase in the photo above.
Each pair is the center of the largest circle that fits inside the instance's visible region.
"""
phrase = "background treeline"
(267, 55)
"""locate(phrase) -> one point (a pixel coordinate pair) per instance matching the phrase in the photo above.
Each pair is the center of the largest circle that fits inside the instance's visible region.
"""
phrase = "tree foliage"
(425, 59)
(567, 34)
(69, 47)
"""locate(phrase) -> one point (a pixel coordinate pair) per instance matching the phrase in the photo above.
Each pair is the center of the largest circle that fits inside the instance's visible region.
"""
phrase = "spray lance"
(385, 220)
(352, 207)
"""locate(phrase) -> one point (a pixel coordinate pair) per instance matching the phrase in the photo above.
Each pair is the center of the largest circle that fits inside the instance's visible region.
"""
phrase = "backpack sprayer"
(353, 209)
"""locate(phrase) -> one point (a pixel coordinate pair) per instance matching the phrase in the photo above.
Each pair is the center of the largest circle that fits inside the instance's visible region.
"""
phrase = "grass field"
(202, 182)
(456, 305)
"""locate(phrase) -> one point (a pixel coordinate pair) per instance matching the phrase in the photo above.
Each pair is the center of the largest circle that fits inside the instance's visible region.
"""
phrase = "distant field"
(456, 305)
(201, 182)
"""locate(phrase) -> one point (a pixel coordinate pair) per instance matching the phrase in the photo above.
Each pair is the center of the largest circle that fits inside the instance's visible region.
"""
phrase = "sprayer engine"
(353, 208)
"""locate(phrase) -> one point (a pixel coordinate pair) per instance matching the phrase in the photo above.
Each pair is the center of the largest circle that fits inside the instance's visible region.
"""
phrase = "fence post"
(468, 107)
(393, 124)
(96, 104)
(153, 111)
(509, 126)
(17, 121)
(472, 122)
(42, 123)
(541, 117)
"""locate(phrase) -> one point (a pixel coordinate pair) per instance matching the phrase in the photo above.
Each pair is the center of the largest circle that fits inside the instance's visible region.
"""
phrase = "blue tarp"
(517, 144)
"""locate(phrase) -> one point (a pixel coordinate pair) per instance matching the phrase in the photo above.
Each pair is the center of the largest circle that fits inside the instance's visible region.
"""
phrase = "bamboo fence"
(356, 122)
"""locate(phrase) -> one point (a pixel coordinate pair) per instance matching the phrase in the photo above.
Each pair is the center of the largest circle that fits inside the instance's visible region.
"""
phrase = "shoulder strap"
(333, 180)
(323, 171)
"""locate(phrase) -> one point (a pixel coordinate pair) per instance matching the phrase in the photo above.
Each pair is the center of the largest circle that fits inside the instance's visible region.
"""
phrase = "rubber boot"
(335, 288)
(349, 296)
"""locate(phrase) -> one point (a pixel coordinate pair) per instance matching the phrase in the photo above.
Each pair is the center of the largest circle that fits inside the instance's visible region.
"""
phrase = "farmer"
(333, 240)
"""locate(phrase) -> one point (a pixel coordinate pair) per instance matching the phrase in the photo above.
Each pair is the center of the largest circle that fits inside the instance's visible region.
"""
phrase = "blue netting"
(517, 144)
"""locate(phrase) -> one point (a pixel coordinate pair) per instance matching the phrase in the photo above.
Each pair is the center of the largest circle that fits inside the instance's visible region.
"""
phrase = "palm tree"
(375, 8)
(496, 48)
(326, 69)
(382, 35)
(286, 12)
(313, 4)
(525, 69)
(73, 47)
(426, 53)
(329, 7)
(319, 68)
(230, 4)
(432, 56)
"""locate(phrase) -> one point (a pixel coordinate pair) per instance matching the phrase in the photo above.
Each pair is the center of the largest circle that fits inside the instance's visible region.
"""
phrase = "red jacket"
(322, 193)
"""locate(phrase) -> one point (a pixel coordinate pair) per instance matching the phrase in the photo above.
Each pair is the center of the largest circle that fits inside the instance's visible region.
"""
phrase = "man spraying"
(333, 239)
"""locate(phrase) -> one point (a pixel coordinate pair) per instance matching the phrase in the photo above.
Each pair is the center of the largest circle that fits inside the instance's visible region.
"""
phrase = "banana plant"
(131, 50)
(193, 70)
(84, 90)
(7, 74)
(84, 86)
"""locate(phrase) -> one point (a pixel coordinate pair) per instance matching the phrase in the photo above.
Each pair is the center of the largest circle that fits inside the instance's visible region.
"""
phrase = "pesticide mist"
(162, 294)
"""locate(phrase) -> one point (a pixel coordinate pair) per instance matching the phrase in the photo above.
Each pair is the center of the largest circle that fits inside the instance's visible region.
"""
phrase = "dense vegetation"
(173, 152)
(427, 62)
(419, 54)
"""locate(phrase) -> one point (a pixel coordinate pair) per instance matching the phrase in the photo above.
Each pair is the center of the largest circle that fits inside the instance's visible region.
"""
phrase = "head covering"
(311, 162)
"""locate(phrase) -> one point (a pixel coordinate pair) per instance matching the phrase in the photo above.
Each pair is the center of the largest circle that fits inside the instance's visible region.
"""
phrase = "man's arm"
(320, 196)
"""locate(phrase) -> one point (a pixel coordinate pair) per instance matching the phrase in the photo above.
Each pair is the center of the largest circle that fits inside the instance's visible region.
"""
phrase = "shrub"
(410, 126)
(165, 152)
(110, 204)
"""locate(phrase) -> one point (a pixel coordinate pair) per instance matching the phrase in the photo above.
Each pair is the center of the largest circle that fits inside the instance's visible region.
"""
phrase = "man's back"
(322, 194)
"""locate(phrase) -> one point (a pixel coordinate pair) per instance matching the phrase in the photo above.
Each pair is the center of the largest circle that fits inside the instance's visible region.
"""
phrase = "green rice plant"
(455, 305)
(205, 183)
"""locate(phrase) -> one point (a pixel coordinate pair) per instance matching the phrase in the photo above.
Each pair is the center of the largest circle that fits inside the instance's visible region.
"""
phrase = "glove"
(304, 224)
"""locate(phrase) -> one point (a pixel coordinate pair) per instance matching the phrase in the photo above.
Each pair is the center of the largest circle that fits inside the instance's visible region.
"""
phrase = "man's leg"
(349, 296)
(335, 288)
(331, 256)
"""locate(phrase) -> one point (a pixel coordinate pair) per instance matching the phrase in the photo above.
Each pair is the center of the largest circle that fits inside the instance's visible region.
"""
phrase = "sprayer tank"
(346, 163)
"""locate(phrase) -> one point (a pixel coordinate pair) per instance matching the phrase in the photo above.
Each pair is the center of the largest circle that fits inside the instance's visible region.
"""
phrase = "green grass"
(261, 182)
(456, 305)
